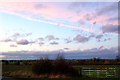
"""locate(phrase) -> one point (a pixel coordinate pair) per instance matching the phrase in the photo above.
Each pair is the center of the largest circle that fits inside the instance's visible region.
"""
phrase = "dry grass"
(24, 74)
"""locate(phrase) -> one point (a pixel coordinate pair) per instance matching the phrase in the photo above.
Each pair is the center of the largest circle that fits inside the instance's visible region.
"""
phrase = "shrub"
(42, 67)
(63, 67)
(60, 67)
(18, 63)
(6, 62)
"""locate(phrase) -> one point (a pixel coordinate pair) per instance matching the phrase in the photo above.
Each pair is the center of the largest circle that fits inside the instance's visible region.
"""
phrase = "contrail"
(29, 18)
(91, 28)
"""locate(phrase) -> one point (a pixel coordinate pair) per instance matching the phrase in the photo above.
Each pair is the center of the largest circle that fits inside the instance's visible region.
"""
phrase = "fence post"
(80, 70)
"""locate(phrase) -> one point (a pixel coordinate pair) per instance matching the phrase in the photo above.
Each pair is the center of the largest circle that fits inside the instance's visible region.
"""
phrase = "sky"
(78, 30)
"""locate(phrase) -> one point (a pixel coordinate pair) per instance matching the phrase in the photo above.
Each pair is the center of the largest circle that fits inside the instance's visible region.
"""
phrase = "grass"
(100, 71)
(12, 68)
(96, 66)
(16, 70)
(82, 78)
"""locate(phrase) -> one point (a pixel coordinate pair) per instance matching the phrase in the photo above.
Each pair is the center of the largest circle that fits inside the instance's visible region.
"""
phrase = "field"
(100, 71)
(90, 72)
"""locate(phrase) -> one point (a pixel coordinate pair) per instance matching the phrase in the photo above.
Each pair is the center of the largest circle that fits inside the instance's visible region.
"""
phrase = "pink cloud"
(50, 11)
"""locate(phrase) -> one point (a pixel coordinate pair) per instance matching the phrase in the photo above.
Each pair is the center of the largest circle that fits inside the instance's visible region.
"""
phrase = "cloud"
(12, 45)
(108, 9)
(81, 39)
(67, 40)
(54, 43)
(94, 22)
(41, 43)
(81, 22)
(88, 17)
(66, 48)
(51, 13)
(101, 47)
(57, 38)
(39, 6)
(21, 35)
(6, 40)
(51, 37)
(23, 42)
(41, 39)
(113, 18)
(99, 36)
(107, 39)
(16, 35)
(103, 53)
(109, 28)
(92, 35)
(27, 34)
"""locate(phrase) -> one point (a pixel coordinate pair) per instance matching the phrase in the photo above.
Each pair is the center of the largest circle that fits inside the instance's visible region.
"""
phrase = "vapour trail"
(48, 22)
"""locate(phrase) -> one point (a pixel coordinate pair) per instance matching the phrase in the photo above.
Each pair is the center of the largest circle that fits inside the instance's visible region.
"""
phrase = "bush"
(18, 63)
(42, 67)
(62, 67)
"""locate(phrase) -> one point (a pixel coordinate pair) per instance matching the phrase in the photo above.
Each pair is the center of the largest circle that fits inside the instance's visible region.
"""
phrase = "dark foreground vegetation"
(60, 69)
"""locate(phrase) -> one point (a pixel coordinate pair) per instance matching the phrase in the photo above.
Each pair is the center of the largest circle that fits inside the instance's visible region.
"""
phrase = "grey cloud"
(51, 37)
(92, 50)
(39, 6)
(41, 43)
(98, 40)
(57, 38)
(81, 39)
(41, 39)
(80, 5)
(113, 18)
(31, 42)
(66, 48)
(110, 28)
(92, 35)
(54, 43)
(75, 54)
(88, 17)
(81, 22)
(99, 36)
(67, 40)
(94, 22)
(107, 39)
(23, 42)
(101, 47)
(109, 9)
(12, 45)
(28, 34)
(16, 35)
(6, 40)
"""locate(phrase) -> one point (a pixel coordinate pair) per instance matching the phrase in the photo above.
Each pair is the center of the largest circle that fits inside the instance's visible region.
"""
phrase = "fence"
(109, 72)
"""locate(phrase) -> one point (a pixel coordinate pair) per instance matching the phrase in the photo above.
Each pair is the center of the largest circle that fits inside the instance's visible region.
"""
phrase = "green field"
(98, 71)
(11, 68)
